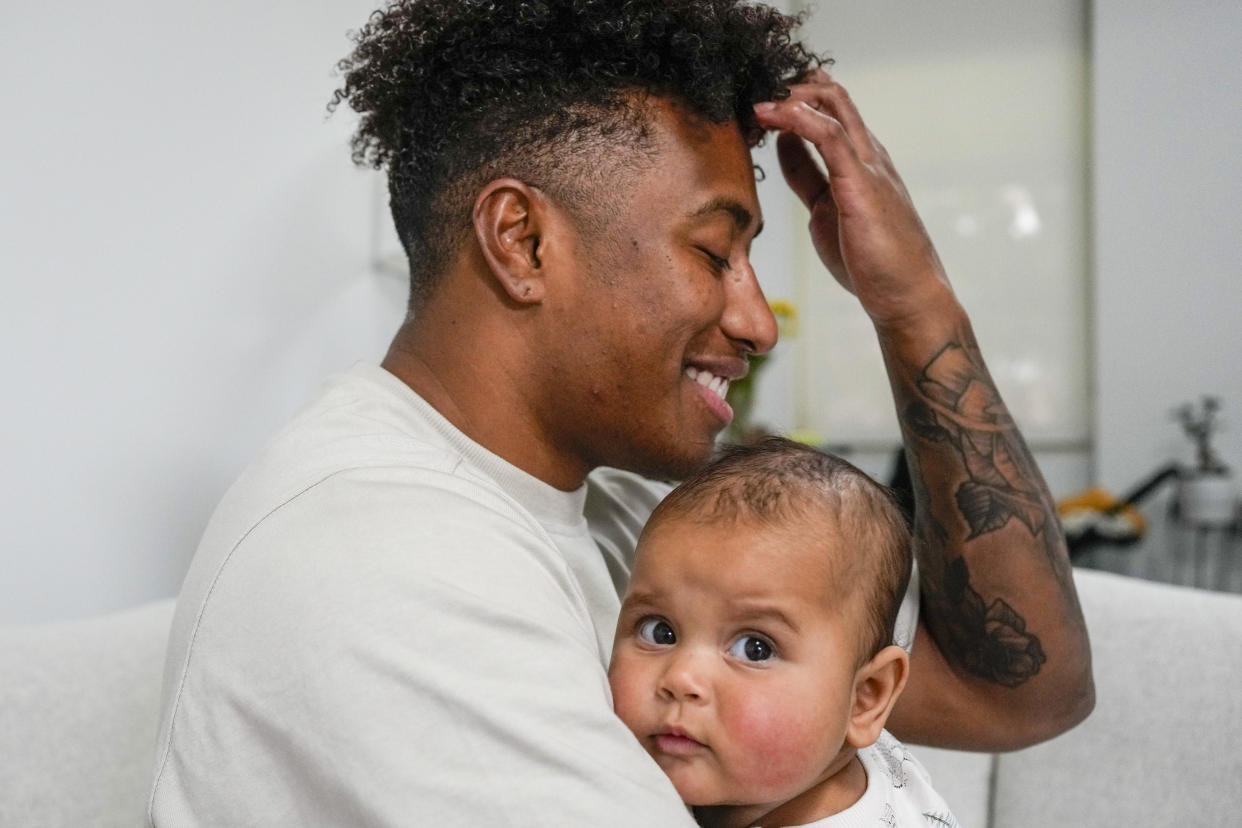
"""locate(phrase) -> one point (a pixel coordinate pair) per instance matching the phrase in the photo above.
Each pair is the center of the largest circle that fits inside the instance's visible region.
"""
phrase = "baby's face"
(730, 665)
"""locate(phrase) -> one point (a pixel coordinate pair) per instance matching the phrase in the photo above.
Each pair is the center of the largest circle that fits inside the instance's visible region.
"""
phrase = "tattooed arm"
(1001, 658)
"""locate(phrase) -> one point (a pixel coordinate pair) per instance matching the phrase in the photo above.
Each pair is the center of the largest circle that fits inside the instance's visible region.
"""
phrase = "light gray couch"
(78, 708)
(1163, 745)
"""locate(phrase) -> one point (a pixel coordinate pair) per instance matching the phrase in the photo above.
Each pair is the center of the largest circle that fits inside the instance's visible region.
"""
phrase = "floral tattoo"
(957, 407)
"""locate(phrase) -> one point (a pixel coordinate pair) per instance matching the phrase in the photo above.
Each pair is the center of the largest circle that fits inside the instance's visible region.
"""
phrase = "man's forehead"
(676, 129)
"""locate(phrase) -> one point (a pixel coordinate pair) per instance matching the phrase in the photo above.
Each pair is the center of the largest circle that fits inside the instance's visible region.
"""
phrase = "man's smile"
(712, 382)
(713, 375)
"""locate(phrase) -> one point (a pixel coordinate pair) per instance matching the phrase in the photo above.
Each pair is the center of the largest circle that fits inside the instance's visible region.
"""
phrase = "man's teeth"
(718, 385)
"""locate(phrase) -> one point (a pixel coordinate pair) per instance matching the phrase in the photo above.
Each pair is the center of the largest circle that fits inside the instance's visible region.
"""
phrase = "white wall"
(1167, 148)
(185, 249)
(983, 107)
(185, 246)
(987, 124)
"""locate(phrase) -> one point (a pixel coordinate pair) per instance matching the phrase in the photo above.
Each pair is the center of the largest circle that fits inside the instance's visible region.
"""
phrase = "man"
(402, 612)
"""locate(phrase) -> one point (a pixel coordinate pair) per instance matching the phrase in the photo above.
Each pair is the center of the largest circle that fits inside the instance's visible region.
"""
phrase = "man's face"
(662, 307)
(731, 663)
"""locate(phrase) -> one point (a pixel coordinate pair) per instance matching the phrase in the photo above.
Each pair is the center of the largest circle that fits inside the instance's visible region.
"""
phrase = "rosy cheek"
(776, 741)
(627, 686)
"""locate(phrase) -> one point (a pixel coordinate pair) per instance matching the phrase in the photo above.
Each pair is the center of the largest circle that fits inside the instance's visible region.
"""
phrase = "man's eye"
(657, 631)
(751, 648)
(718, 262)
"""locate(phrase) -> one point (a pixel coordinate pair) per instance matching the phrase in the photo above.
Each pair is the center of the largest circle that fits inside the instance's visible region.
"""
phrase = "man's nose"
(685, 677)
(747, 320)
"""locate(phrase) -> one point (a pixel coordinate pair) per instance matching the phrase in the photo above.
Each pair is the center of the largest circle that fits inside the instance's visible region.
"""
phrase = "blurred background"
(188, 252)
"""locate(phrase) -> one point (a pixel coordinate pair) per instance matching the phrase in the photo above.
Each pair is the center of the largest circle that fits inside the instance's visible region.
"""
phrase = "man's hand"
(863, 223)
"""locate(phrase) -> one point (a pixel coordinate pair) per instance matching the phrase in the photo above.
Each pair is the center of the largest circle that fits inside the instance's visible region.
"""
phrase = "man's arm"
(1001, 658)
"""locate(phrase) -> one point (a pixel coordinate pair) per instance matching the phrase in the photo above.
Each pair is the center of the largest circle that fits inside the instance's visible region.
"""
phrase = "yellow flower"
(786, 314)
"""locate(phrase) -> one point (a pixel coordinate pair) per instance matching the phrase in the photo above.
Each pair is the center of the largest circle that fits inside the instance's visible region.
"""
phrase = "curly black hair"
(454, 93)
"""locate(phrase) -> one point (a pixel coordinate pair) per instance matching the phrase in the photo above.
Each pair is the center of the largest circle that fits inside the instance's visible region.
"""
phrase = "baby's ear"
(877, 684)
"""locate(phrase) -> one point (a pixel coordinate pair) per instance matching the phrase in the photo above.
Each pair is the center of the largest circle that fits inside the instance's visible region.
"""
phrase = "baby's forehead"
(809, 547)
(799, 522)
(804, 566)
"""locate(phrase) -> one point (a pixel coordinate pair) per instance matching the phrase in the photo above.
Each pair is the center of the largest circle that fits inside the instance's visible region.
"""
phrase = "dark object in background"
(1095, 518)
(1091, 519)
(901, 484)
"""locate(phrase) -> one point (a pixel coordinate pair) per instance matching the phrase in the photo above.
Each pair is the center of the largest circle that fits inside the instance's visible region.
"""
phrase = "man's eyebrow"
(741, 216)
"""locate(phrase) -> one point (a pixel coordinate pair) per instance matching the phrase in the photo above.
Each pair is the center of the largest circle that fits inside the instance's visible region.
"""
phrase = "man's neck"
(474, 390)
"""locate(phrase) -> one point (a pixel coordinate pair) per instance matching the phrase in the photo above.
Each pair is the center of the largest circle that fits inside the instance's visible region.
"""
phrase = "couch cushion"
(964, 780)
(1162, 747)
(79, 706)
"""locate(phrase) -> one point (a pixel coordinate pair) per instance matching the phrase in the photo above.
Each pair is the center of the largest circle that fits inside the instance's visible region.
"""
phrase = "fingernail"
(764, 107)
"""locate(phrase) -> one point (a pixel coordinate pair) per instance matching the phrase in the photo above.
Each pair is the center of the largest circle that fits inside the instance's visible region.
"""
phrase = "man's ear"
(877, 684)
(509, 218)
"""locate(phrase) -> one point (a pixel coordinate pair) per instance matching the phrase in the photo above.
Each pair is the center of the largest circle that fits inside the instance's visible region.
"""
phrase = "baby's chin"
(721, 816)
(719, 805)
(711, 792)
(696, 795)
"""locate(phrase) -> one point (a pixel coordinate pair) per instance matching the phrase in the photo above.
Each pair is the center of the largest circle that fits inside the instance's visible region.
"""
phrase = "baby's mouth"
(676, 742)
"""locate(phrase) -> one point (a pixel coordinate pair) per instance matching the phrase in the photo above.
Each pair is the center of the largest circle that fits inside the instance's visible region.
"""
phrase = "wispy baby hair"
(779, 483)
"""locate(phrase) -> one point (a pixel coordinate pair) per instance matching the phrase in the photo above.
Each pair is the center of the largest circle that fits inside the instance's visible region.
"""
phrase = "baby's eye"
(751, 648)
(657, 631)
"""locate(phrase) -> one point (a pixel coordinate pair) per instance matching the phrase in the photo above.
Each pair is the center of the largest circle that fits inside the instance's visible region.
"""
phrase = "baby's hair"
(779, 483)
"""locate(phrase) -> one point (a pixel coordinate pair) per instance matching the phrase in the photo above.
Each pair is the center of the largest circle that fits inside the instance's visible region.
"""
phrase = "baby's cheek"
(775, 744)
(626, 687)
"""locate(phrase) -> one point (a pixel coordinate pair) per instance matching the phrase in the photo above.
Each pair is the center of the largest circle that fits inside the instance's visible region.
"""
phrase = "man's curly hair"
(455, 93)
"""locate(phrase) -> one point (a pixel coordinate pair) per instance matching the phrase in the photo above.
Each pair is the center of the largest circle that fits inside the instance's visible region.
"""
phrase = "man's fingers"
(800, 170)
(812, 187)
(822, 130)
(825, 95)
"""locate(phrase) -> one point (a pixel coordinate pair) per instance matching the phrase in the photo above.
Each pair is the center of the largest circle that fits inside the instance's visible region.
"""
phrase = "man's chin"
(670, 463)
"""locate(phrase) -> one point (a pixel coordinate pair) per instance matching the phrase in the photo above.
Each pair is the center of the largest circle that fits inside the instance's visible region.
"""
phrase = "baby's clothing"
(899, 793)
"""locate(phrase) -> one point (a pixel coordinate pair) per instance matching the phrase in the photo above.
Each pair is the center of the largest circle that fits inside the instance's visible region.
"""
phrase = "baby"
(753, 656)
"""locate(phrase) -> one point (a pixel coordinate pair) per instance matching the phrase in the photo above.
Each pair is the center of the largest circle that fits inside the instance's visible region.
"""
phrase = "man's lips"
(712, 382)
(712, 376)
(676, 742)
(728, 368)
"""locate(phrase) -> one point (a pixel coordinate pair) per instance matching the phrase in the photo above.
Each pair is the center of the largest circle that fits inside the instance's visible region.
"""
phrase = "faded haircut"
(455, 93)
(779, 483)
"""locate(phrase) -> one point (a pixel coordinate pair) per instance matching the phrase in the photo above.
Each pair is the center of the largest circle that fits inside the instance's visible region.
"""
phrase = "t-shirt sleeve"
(389, 654)
(618, 504)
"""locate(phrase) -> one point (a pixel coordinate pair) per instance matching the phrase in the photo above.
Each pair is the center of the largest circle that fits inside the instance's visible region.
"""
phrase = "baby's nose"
(685, 678)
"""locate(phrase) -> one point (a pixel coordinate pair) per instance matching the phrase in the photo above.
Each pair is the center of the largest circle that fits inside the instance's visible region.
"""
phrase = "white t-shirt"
(899, 793)
(386, 624)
